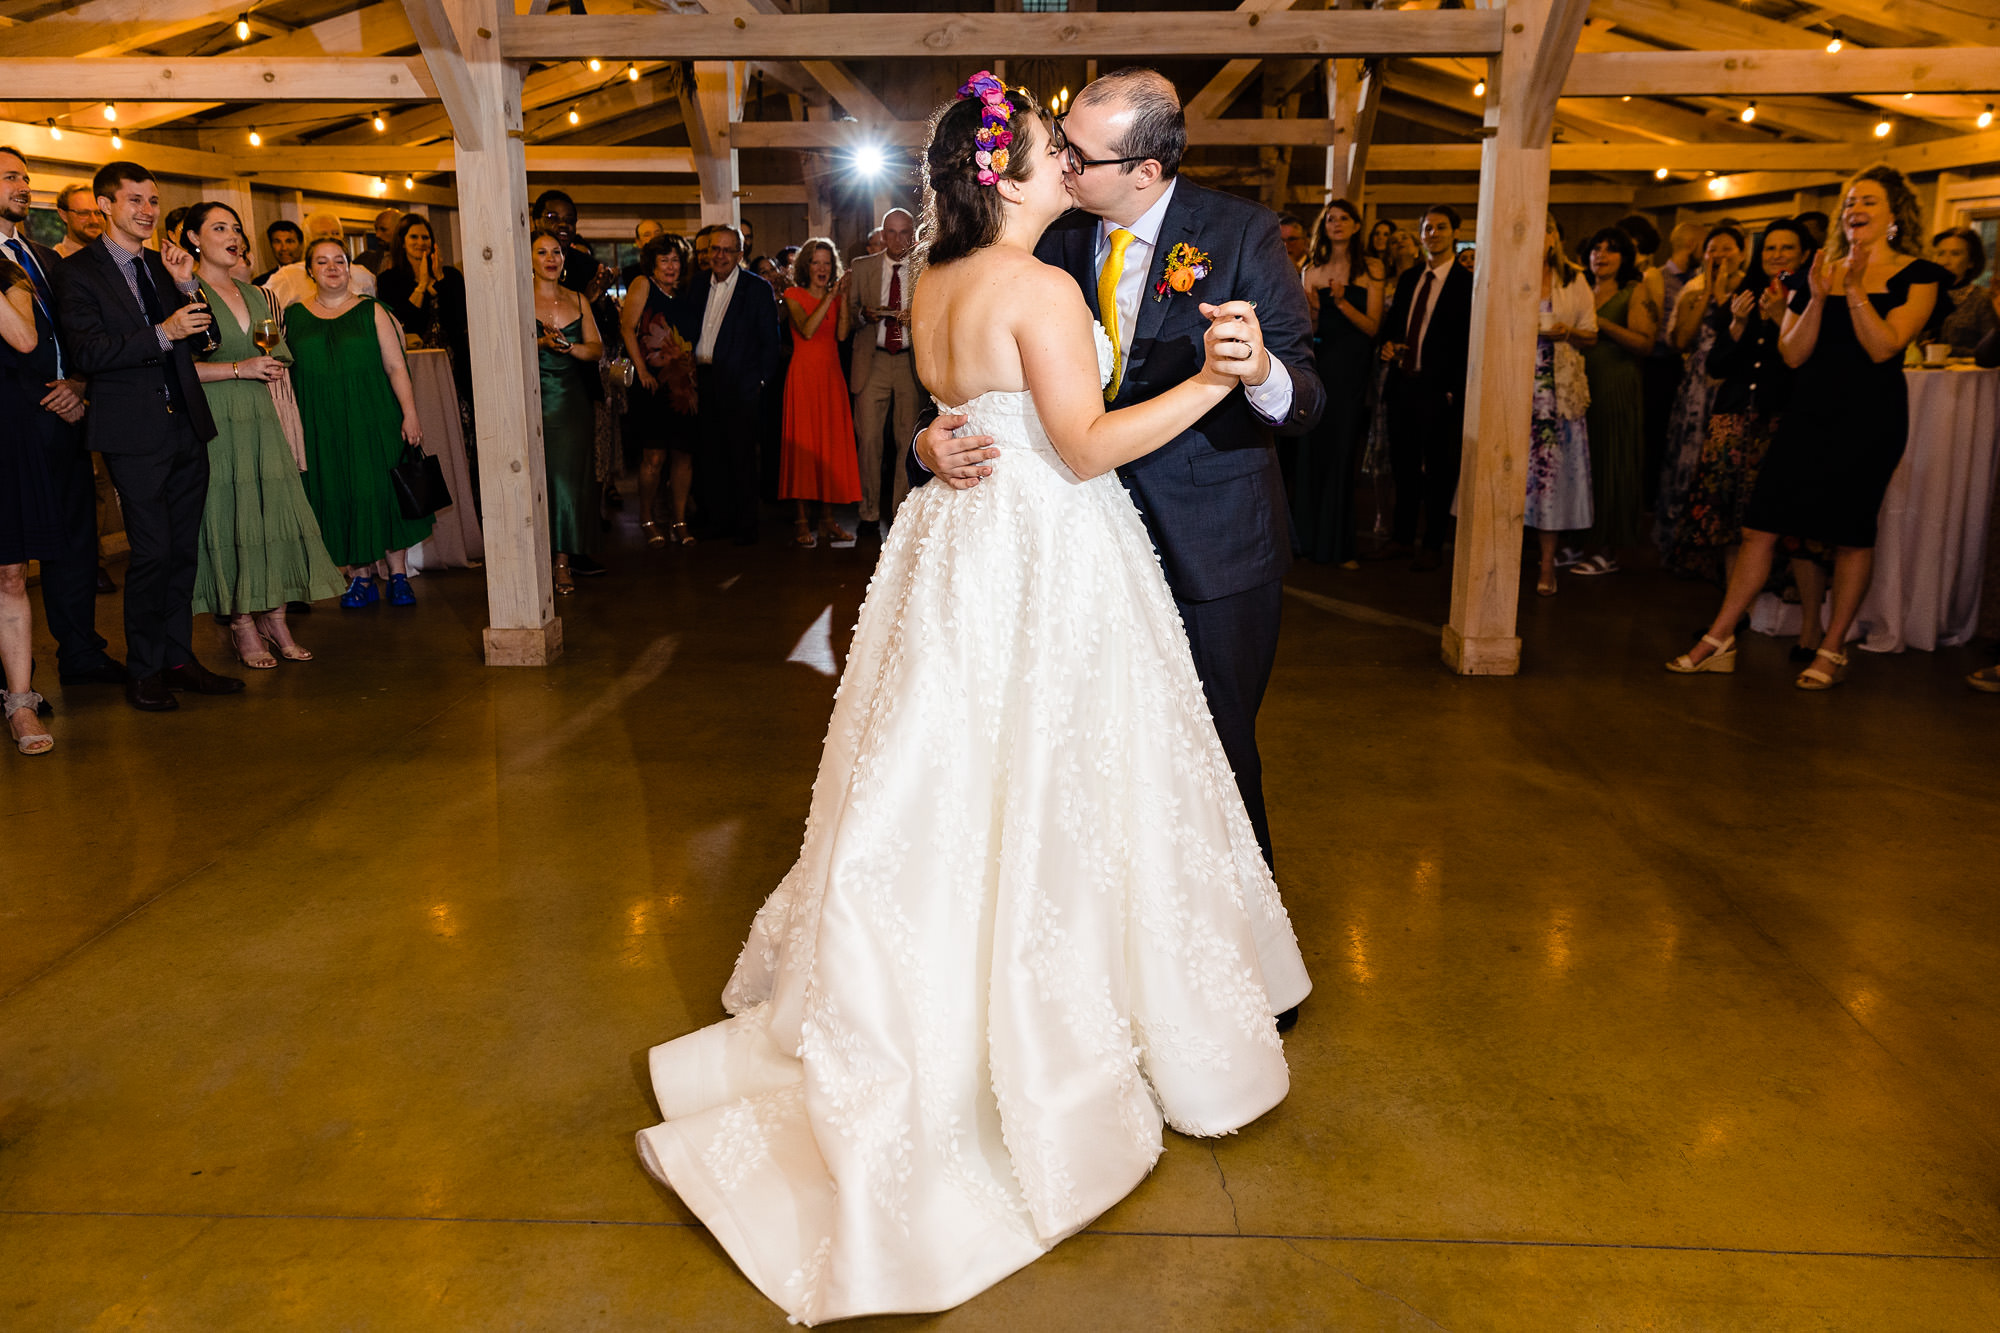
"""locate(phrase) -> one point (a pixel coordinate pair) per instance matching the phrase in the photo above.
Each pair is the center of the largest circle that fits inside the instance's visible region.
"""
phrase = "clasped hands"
(1235, 352)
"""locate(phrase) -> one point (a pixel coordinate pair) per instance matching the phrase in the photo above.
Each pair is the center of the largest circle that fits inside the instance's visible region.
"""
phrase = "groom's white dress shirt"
(1272, 398)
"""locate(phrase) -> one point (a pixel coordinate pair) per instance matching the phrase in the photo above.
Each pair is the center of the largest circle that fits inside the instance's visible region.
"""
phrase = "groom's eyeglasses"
(1074, 159)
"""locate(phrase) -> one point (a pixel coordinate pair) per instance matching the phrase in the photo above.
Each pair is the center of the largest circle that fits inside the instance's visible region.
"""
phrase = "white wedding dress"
(1028, 923)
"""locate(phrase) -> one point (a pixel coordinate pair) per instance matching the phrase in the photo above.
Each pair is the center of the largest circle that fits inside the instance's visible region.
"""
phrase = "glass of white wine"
(265, 335)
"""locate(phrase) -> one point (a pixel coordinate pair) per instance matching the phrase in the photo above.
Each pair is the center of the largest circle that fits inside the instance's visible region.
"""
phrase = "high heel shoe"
(27, 701)
(1817, 678)
(565, 584)
(291, 652)
(652, 531)
(1722, 661)
(804, 538)
(839, 538)
(251, 654)
(679, 533)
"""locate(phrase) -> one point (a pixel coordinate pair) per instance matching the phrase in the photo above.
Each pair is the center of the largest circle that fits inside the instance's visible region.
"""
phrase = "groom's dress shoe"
(195, 678)
(107, 673)
(1289, 1019)
(149, 694)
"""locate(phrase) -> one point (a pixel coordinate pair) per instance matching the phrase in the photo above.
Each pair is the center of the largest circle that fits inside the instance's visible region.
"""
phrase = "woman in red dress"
(819, 461)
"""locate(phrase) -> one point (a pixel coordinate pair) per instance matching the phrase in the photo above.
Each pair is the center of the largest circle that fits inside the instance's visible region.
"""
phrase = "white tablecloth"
(457, 539)
(1930, 549)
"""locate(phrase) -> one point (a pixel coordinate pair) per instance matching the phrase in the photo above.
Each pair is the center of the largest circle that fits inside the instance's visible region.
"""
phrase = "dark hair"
(1159, 127)
(960, 215)
(1639, 229)
(399, 254)
(104, 185)
(1445, 211)
(172, 229)
(1620, 241)
(1288, 220)
(541, 229)
(1814, 219)
(12, 275)
(1732, 231)
(283, 224)
(1795, 228)
(1975, 247)
(191, 218)
(666, 243)
(801, 266)
(12, 151)
(547, 197)
(1388, 235)
(1322, 245)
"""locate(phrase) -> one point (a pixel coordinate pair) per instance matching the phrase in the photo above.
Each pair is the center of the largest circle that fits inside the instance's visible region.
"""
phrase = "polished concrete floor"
(1642, 1002)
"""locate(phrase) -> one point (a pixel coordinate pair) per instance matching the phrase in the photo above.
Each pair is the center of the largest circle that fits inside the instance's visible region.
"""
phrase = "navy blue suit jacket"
(748, 351)
(1212, 496)
(108, 339)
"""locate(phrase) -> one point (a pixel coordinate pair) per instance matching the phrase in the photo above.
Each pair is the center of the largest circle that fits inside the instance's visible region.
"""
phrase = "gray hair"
(1159, 128)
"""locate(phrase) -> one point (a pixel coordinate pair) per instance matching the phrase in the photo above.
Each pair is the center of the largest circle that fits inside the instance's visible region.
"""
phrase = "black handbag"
(419, 483)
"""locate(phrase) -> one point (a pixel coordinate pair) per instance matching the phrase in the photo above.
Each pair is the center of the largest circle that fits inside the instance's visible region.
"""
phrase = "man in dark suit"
(130, 318)
(1212, 498)
(1425, 337)
(735, 359)
(69, 585)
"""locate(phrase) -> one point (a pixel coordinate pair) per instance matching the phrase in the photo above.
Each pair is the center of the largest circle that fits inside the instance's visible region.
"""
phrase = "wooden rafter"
(213, 79)
(1774, 73)
(447, 66)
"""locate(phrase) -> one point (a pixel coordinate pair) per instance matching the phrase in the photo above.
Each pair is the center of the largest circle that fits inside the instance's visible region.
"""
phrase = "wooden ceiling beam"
(824, 135)
(1774, 73)
(977, 36)
(1632, 157)
(215, 79)
(441, 160)
(1219, 92)
(1959, 21)
(112, 27)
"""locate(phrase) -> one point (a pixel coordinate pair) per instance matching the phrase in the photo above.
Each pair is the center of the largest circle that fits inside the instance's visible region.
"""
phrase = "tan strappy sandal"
(39, 742)
(1722, 661)
(1815, 678)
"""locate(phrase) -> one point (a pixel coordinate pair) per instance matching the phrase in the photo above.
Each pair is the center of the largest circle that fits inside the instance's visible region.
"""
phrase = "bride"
(1029, 922)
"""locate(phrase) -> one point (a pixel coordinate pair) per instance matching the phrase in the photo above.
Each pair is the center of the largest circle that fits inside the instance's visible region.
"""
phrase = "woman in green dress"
(1627, 320)
(354, 397)
(260, 543)
(567, 347)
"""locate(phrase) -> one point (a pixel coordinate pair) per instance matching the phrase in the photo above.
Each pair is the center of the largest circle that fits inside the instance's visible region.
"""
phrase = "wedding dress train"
(1028, 923)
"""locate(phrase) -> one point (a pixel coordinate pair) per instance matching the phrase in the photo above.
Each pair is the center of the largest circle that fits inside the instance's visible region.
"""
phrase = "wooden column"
(1523, 81)
(235, 192)
(711, 106)
(1353, 91)
(506, 386)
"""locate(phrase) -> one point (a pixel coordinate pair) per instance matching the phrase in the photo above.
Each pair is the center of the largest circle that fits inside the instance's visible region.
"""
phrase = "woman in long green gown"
(260, 542)
(567, 346)
(354, 397)
(1627, 320)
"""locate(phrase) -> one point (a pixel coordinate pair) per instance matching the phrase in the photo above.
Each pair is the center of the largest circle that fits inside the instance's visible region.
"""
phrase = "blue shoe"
(400, 592)
(360, 592)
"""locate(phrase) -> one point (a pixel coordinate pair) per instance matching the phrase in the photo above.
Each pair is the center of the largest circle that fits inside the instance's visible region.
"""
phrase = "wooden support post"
(710, 107)
(235, 192)
(506, 384)
(1355, 91)
(1540, 36)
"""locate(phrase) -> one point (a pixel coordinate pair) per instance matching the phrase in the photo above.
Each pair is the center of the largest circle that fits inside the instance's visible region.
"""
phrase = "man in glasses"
(736, 357)
(1212, 499)
(580, 267)
(81, 218)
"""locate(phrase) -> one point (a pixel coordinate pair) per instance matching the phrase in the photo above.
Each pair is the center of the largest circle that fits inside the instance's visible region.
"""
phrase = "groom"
(1211, 497)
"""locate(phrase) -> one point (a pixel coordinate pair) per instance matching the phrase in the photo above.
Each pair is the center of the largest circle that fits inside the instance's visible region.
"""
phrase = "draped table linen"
(457, 539)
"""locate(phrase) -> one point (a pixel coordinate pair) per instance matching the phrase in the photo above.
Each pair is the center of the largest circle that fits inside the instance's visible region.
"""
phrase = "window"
(1045, 6)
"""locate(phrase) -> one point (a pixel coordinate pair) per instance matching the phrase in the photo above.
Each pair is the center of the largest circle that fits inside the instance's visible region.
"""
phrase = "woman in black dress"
(660, 327)
(30, 520)
(1344, 289)
(427, 297)
(1830, 463)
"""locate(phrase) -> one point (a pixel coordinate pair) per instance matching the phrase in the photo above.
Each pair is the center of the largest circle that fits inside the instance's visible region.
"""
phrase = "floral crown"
(993, 136)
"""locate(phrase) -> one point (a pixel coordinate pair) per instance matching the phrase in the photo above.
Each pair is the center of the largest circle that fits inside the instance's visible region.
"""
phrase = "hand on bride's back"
(960, 460)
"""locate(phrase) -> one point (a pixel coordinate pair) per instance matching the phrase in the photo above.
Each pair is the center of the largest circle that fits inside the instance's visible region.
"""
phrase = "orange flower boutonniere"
(1185, 267)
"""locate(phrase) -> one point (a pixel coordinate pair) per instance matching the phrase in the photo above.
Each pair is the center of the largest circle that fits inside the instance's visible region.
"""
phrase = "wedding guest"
(642, 236)
(1723, 257)
(660, 327)
(130, 321)
(819, 461)
(1667, 365)
(1292, 232)
(1753, 388)
(1428, 328)
(83, 222)
(291, 283)
(284, 242)
(1815, 224)
(736, 358)
(1615, 423)
(427, 297)
(581, 271)
(876, 243)
(1645, 238)
(1965, 313)
(1559, 485)
(1406, 254)
(1467, 258)
(1867, 296)
(260, 542)
(1382, 248)
(45, 413)
(1344, 294)
(568, 347)
(379, 250)
(702, 240)
(1378, 245)
(354, 397)
(30, 519)
(882, 375)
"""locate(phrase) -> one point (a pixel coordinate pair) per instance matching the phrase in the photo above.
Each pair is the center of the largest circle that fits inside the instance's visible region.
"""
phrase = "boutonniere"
(1185, 267)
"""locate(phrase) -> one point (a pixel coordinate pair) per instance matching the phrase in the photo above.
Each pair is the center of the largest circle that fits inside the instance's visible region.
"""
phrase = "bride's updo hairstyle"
(959, 214)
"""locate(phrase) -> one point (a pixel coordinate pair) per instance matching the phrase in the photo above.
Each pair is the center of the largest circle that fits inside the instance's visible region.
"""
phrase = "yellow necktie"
(1107, 306)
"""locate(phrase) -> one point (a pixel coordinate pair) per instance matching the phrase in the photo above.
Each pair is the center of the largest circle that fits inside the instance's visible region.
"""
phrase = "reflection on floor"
(1643, 1001)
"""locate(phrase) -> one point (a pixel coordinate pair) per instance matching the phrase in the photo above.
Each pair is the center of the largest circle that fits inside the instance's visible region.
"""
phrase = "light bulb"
(632, 73)
(1835, 43)
(243, 27)
(1748, 114)
(111, 111)
(1882, 128)
(380, 123)
(256, 139)
(55, 130)
(1479, 88)
(1908, 96)
(117, 142)
(574, 117)
(595, 64)
(1986, 116)
(409, 182)
(1659, 173)
(381, 185)
(1063, 96)
(1626, 98)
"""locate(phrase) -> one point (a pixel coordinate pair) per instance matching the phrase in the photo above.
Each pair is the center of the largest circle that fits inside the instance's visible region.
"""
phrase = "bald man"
(291, 284)
(883, 378)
